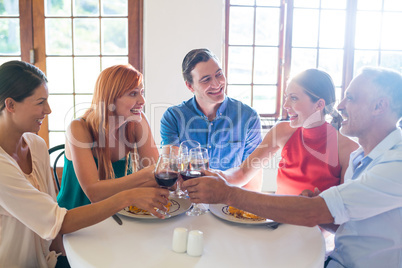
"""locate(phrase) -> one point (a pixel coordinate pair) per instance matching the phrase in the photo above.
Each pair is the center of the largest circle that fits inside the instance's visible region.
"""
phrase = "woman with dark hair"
(97, 161)
(31, 222)
(314, 153)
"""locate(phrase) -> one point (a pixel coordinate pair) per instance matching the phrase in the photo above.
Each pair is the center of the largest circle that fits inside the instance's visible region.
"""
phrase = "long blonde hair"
(111, 84)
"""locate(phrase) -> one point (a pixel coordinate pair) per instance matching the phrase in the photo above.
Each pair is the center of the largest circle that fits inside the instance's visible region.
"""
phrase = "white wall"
(171, 29)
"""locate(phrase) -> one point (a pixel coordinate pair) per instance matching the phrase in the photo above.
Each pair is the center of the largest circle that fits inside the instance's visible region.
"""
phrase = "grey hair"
(388, 83)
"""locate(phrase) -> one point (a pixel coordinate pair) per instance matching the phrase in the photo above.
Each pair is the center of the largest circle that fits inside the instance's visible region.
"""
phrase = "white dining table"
(148, 243)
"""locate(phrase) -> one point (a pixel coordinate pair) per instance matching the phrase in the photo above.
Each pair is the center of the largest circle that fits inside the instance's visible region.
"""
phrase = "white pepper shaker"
(195, 243)
(179, 243)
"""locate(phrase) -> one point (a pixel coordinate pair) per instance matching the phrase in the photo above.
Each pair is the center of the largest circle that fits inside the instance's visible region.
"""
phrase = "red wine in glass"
(191, 174)
(166, 179)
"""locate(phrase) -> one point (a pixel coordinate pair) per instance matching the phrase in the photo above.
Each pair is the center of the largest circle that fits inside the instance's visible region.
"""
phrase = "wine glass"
(184, 150)
(183, 153)
(198, 163)
(166, 173)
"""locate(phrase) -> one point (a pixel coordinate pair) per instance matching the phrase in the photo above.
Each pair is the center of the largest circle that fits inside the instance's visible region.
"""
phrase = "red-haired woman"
(98, 144)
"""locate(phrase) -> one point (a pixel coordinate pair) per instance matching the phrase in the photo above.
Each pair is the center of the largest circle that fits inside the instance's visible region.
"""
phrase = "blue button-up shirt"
(230, 138)
(368, 208)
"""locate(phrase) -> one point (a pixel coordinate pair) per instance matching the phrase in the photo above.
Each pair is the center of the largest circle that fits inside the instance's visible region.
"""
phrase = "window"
(253, 49)
(378, 41)
(83, 37)
(71, 41)
(10, 43)
(270, 40)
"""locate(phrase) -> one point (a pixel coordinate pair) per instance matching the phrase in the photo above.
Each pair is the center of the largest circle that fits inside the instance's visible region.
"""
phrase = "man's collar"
(387, 143)
(219, 112)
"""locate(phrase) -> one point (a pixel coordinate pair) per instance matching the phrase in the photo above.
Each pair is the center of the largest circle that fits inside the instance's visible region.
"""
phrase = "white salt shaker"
(195, 243)
(179, 243)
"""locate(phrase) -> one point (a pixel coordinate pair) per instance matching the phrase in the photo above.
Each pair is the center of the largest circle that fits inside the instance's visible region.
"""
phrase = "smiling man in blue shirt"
(229, 129)
(368, 205)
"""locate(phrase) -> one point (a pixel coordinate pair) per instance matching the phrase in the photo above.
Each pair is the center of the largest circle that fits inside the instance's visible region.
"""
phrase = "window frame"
(279, 60)
(285, 50)
(32, 36)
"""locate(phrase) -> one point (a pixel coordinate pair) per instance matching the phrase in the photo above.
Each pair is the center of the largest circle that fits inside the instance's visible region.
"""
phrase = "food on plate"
(241, 214)
(137, 210)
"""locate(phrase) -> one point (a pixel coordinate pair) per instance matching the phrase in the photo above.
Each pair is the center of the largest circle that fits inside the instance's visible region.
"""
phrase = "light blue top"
(230, 138)
(368, 208)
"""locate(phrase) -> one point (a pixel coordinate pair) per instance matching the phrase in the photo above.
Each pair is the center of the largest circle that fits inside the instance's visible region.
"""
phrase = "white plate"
(221, 211)
(179, 206)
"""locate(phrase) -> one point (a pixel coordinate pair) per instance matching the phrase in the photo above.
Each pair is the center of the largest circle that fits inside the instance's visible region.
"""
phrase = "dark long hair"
(317, 85)
(18, 80)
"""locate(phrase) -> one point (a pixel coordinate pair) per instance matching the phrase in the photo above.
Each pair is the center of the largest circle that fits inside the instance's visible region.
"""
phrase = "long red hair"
(111, 84)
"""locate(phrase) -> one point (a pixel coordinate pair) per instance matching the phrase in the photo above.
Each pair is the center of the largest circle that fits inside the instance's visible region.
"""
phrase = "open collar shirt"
(368, 207)
(29, 215)
(230, 138)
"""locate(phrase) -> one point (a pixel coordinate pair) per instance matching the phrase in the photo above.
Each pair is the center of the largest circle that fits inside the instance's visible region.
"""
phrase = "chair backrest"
(52, 150)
